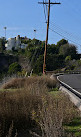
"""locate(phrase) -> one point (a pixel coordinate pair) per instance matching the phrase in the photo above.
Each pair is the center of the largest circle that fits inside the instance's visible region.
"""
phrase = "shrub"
(25, 82)
(68, 58)
(33, 108)
(55, 111)
(14, 68)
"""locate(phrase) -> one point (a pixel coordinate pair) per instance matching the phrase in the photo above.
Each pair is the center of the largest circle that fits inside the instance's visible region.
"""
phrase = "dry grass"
(25, 82)
(32, 106)
(54, 113)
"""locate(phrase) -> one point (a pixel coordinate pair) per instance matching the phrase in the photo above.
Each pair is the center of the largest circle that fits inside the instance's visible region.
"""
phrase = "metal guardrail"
(63, 72)
(69, 88)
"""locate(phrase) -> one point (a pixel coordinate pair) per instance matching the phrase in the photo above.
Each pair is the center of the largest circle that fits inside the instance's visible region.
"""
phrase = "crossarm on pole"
(48, 3)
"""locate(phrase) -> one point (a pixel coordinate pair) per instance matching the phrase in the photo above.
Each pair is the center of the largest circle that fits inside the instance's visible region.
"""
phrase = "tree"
(36, 42)
(52, 49)
(14, 68)
(54, 62)
(2, 44)
(25, 40)
(68, 50)
(62, 42)
(38, 65)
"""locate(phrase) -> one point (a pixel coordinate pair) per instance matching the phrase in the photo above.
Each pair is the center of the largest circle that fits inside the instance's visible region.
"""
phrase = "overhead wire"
(77, 44)
(74, 36)
(64, 35)
(44, 10)
(59, 30)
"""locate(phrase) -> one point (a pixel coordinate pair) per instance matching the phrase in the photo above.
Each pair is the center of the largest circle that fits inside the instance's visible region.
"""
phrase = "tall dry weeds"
(31, 106)
(54, 112)
(25, 82)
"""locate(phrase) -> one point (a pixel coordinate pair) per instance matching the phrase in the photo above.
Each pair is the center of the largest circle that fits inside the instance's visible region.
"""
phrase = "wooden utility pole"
(46, 42)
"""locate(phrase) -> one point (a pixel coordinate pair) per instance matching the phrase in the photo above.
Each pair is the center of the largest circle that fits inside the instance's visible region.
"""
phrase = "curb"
(69, 88)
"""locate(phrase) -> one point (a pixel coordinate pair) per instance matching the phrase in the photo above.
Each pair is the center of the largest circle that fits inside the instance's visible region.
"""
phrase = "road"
(73, 80)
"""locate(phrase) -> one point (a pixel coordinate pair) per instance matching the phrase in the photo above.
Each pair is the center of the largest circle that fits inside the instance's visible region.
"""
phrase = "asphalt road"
(73, 80)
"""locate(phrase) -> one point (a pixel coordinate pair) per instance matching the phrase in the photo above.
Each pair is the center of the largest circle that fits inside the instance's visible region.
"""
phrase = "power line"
(44, 11)
(66, 32)
(64, 37)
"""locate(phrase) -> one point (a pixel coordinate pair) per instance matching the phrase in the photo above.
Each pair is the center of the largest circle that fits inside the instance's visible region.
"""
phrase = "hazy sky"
(21, 17)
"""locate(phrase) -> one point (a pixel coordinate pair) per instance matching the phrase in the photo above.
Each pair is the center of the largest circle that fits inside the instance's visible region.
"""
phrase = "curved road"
(73, 80)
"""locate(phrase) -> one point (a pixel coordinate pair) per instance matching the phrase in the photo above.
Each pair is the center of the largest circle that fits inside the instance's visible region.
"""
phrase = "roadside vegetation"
(19, 61)
(34, 106)
(30, 107)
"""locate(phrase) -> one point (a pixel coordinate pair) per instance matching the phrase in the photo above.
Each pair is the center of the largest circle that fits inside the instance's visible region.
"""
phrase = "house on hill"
(15, 43)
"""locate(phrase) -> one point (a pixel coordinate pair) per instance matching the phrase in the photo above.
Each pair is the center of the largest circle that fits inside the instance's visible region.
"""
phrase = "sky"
(22, 17)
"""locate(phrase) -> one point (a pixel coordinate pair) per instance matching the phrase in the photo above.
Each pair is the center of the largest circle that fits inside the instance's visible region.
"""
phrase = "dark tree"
(2, 44)
(62, 42)
(68, 50)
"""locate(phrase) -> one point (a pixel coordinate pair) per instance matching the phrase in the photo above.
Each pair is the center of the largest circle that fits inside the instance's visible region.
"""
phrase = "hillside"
(61, 55)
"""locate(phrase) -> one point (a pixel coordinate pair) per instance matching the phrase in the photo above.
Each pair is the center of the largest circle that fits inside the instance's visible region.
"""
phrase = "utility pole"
(46, 42)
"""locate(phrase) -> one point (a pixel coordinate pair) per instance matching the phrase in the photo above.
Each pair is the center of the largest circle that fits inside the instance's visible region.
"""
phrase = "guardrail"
(63, 72)
(69, 88)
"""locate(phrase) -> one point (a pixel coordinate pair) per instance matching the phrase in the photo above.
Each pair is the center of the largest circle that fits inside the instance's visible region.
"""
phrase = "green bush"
(14, 68)
(68, 58)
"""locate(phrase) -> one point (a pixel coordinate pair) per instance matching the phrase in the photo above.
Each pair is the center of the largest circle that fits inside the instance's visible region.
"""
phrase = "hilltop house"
(15, 43)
